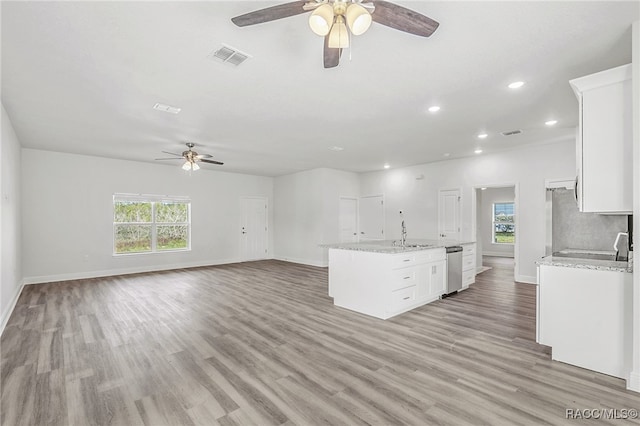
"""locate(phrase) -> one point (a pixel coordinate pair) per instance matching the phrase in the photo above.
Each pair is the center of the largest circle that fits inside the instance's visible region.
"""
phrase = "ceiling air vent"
(229, 55)
(511, 133)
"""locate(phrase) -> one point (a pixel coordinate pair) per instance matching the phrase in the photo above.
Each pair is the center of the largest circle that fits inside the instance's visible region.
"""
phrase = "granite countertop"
(596, 265)
(387, 246)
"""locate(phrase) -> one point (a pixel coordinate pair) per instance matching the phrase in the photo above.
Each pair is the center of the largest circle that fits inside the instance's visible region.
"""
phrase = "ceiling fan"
(334, 19)
(191, 158)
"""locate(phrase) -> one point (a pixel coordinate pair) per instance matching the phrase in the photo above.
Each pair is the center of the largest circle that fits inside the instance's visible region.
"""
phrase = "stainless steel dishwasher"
(454, 269)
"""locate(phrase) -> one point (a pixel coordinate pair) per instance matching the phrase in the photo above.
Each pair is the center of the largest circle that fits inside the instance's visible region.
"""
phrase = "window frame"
(153, 200)
(494, 222)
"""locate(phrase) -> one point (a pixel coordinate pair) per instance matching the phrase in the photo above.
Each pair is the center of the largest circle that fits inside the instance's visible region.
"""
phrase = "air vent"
(229, 55)
(511, 133)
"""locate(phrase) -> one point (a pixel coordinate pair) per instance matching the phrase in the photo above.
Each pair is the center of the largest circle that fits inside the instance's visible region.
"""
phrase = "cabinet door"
(438, 278)
(606, 184)
(423, 281)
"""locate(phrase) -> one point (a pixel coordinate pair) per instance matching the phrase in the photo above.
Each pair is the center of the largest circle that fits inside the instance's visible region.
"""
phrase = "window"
(504, 226)
(148, 224)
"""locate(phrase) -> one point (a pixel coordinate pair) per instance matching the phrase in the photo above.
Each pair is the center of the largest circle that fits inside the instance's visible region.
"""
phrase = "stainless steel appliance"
(454, 269)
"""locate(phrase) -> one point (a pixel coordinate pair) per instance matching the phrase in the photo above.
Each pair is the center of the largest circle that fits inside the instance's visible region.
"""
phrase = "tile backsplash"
(576, 230)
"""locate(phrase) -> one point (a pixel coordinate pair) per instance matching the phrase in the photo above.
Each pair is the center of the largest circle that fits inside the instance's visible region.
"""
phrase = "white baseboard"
(122, 271)
(526, 279)
(303, 261)
(12, 305)
(496, 254)
(634, 381)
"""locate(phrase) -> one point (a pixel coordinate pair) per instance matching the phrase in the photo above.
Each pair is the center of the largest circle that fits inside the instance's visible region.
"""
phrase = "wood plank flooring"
(261, 343)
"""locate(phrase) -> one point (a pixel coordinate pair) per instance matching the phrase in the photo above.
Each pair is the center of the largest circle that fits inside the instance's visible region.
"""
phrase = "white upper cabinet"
(604, 141)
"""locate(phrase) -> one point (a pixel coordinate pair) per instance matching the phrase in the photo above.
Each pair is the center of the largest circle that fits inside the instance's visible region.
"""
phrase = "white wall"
(528, 167)
(68, 214)
(307, 213)
(489, 197)
(634, 379)
(10, 235)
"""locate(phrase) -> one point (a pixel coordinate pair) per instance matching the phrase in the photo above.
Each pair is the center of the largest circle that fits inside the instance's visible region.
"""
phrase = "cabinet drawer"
(468, 277)
(468, 263)
(417, 257)
(401, 278)
(403, 260)
(402, 299)
(468, 249)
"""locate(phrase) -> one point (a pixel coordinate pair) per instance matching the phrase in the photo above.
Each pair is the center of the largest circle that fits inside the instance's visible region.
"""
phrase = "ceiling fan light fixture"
(339, 36)
(321, 20)
(194, 166)
(358, 19)
(186, 166)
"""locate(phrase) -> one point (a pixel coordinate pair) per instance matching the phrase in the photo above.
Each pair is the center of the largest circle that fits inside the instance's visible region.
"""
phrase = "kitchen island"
(584, 312)
(383, 279)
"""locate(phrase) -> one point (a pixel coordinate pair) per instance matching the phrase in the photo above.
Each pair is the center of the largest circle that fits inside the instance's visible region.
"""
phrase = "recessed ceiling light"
(434, 108)
(482, 135)
(516, 85)
(386, 166)
(167, 108)
(336, 148)
(478, 151)
(551, 122)
(482, 189)
(446, 154)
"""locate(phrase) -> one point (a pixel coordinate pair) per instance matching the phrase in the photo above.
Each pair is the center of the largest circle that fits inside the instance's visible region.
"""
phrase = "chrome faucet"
(403, 235)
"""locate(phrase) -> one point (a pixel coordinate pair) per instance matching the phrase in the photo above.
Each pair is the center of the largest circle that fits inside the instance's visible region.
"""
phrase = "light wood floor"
(261, 343)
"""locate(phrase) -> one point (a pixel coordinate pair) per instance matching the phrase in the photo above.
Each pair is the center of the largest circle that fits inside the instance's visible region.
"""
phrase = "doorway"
(371, 217)
(348, 220)
(496, 228)
(253, 228)
(449, 214)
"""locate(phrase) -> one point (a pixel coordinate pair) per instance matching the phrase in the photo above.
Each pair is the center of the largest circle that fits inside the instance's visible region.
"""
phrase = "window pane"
(131, 211)
(503, 212)
(172, 237)
(172, 212)
(132, 238)
(504, 233)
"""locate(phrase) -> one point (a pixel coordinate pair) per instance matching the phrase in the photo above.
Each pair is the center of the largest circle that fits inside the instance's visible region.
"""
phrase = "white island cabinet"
(584, 313)
(386, 284)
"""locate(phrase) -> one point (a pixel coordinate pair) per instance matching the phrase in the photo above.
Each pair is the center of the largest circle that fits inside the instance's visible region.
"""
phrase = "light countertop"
(387, 246)
(597, 265)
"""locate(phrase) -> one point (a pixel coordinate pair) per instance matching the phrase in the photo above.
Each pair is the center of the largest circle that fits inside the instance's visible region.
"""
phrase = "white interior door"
(348, 220)
(449, 214)
(253, 232)
(371, 217)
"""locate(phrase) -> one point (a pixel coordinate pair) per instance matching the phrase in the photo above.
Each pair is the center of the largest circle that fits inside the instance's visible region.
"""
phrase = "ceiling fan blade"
(270, 13)
(403, 19)
(201, 156)
(331, 55)
(212, 162)
(170, 158)
(172, 153)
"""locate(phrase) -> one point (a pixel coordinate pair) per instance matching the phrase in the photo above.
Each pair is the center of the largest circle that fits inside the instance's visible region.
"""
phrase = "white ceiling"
(82, 77)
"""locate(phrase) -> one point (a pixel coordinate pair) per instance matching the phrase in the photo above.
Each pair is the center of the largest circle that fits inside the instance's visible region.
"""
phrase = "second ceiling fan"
(333, 19)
